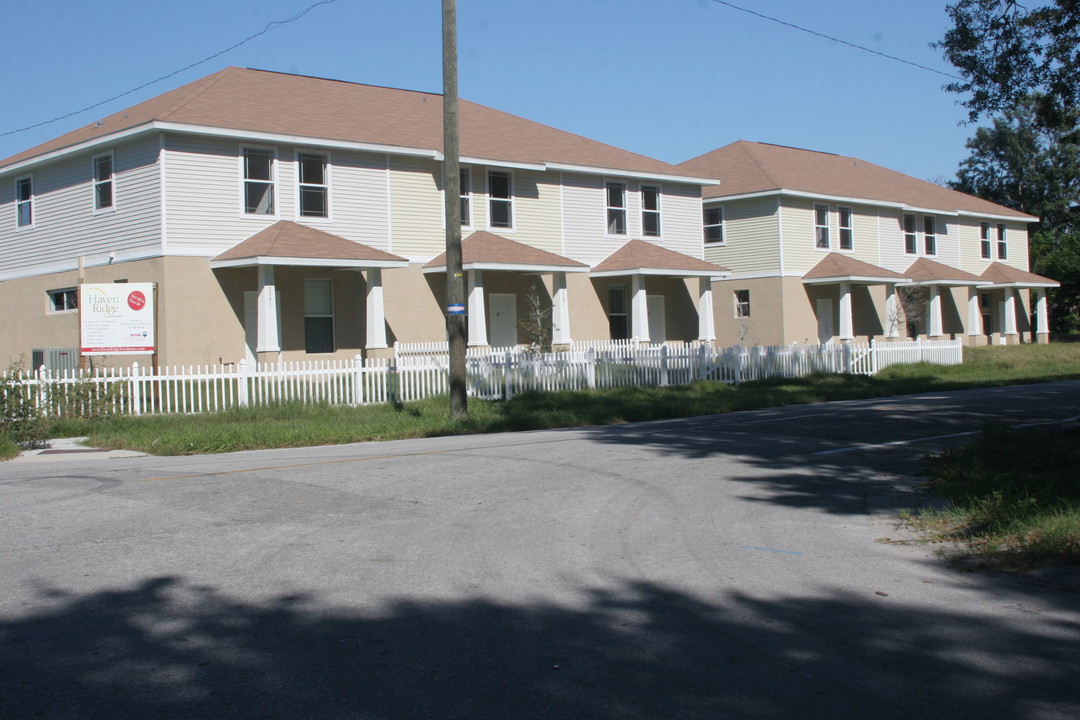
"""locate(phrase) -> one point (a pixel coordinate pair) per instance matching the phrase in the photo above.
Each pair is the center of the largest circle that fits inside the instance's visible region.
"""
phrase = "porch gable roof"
(487, 251)
(638, 257)
(835, 268)
(999, 275)
(925, 271)
(290, 243)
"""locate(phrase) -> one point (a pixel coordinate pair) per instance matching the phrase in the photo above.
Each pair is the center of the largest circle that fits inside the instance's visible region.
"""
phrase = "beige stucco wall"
(196, 324)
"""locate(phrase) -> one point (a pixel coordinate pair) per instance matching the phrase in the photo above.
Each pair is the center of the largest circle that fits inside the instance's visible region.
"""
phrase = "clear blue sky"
(667, 78)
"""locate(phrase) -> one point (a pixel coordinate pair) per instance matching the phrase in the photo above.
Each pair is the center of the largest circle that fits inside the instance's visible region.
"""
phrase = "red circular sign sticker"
(136, 300)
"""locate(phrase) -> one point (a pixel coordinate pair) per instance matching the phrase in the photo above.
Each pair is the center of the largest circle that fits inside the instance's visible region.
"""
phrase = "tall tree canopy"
(1023, 165)
(1005, 51)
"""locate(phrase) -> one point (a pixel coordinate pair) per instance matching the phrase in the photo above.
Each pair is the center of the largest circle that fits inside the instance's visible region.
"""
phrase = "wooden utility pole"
(455, 284)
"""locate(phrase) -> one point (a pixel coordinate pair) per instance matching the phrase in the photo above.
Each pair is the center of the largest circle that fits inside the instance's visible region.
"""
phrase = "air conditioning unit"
(56, 359)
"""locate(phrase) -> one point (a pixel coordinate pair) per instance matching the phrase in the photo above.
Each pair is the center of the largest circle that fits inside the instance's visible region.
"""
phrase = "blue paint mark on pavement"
(784, 552)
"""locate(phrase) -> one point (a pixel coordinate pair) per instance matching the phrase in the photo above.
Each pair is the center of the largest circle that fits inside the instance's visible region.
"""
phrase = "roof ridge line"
(742, 146)
(182, 101)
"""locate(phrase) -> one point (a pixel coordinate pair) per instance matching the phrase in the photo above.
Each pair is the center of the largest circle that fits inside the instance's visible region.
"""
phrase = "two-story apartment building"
(283, 217)
(824, 247)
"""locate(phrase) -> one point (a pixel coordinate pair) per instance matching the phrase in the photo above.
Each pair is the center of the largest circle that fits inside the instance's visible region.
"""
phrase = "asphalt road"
(719, 567)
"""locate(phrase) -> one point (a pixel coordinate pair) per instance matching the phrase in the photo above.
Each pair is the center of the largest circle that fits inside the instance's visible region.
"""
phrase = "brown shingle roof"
(1002, 274)
(929, 272)
(835, 267)
(641, 257)
(484, 248)
(286, 239)
(749, 167)
(260, 101)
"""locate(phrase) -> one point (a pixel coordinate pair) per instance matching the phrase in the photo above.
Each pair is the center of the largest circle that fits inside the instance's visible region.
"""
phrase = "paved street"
(720, 567)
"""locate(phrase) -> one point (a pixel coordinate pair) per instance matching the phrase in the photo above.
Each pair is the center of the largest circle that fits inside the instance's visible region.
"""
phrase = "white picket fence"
(416, 373)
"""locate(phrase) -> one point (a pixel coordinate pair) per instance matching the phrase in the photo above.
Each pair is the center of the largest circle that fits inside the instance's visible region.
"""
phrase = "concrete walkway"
(67, 449)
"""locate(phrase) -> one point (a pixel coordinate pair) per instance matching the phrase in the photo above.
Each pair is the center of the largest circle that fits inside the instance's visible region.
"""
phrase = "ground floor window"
(319, 315)
(63, 300)
(618, 317)
(742, 303)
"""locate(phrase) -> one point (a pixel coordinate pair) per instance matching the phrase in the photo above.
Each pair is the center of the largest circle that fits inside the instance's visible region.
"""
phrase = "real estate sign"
(117, 318)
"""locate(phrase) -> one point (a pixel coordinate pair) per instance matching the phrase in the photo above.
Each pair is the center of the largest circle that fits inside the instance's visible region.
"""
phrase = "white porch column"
(974, 321)
(639, 310)
(892, 311)
(845, 312)
(706, 325)
(1042, 320)
(560, 310)
(1010, 311)
(376, 311)
(933, 322)
(269, 338)
(477, 311)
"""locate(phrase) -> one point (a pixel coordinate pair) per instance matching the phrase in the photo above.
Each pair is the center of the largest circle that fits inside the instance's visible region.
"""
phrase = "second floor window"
(821, 226)
(24, 202)
(500, 200)
(466, 197)
(911, 241)
(930, 236)
(1002, 243)
(314, 185)
(847, 238)
(650, 211)
(714, 224)
(258, 182)
(616, 208)
(103, 182)
(984, 240)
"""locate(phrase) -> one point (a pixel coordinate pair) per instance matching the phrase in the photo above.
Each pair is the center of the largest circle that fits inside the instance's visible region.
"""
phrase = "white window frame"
(1002, 242)
(911, 234)
(325, 186)
(272, 182)
(622, 291)
(509, 200)
(98, 182)
(27, 203)
(466, 193)
(848, 229)
(645, 211)
(69, 293)
(742, 303)
(930, 235)
(620, 211)
(986, 248)
(328, 283)
(819, 226)
(705, 225)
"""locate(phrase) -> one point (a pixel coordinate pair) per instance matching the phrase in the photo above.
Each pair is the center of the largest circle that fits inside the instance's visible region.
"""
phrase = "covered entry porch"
(294, 297)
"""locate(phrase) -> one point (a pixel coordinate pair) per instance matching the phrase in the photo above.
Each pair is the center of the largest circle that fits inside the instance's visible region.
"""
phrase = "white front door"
(502, 319)
(657, 327)
(825, 325)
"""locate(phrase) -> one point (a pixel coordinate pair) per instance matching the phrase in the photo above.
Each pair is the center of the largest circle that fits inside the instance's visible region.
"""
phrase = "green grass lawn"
(294, 425)
(1013, 498)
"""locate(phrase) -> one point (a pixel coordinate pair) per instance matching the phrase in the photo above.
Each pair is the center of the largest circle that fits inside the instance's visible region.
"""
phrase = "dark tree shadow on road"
(167, 648)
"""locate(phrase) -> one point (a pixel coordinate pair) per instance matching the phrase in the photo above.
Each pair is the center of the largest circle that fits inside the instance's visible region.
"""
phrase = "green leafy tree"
(1006, 51)
(1020, 163)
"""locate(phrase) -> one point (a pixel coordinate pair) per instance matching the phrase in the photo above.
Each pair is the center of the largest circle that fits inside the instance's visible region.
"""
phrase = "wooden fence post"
(358, 380)
(508, 383)
(135, 389)
(242, 383)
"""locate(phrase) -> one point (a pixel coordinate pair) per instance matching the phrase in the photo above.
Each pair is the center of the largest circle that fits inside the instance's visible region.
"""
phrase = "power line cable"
(834, 39)
(268, 28)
